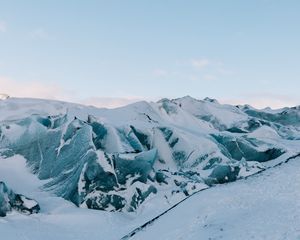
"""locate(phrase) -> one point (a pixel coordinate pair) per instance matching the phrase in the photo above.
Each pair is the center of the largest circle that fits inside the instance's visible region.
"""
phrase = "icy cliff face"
(116, 159)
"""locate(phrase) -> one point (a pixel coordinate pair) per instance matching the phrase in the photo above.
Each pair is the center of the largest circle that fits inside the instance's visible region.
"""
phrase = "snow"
(28, 203)
(164, 151)
(262, 207)
(3, 96)
(264, 132)
(58, 219)
(246, 209)
(266, 206)
(224, 113)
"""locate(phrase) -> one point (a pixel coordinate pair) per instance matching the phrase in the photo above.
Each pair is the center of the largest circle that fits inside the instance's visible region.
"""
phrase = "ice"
(10, 200)
(252, 150)
(140, 160)
(5, 195)
(115, 160)
(225, 173)
(262, 207)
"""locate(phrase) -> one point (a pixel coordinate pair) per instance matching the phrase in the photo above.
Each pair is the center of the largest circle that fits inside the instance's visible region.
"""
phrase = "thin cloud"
(110, 102)
(32, 89)
(3, 26)
(200, 63)
(261, 101)
(50, 91)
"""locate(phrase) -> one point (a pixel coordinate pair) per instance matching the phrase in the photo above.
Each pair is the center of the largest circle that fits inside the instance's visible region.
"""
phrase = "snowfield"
(265, 206)
(175, 169)
(59, 219)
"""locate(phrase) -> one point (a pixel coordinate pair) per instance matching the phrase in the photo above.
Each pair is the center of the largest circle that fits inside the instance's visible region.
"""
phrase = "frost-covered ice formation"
(116, 159)
(10, 200)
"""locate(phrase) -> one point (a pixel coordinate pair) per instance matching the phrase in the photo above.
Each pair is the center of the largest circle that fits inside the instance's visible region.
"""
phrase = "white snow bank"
(266, 206)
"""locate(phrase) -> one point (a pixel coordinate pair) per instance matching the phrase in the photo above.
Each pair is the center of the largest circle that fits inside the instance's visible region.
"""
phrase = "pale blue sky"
(77, 50)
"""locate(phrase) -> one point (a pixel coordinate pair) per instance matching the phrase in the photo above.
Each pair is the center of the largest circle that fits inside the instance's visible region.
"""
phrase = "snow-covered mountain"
(116, 159)
(142, 158)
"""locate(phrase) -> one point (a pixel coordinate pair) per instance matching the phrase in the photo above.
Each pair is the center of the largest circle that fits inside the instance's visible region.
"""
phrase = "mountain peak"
(212, 100)
(3, 96)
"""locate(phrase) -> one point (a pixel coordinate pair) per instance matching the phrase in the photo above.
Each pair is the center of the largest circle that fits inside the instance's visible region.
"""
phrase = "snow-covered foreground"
(265, 206)
(60, 219)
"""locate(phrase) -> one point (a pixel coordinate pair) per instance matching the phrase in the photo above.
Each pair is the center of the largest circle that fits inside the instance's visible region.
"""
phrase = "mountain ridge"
(116, 159)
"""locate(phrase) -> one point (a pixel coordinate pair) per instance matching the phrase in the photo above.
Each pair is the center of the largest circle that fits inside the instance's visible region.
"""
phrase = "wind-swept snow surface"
(265, 206)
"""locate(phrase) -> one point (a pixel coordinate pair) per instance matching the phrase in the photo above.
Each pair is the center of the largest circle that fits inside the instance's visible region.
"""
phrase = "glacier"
(116, 159)
(10, 200)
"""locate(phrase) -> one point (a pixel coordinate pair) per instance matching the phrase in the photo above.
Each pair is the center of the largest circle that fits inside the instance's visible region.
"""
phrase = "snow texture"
(140, 160)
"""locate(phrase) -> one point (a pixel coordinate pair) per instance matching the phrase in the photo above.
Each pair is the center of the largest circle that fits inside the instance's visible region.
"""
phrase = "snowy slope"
(137, 160)
(59, 219)
(221, 116)
(266, 206)
(246, 209)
